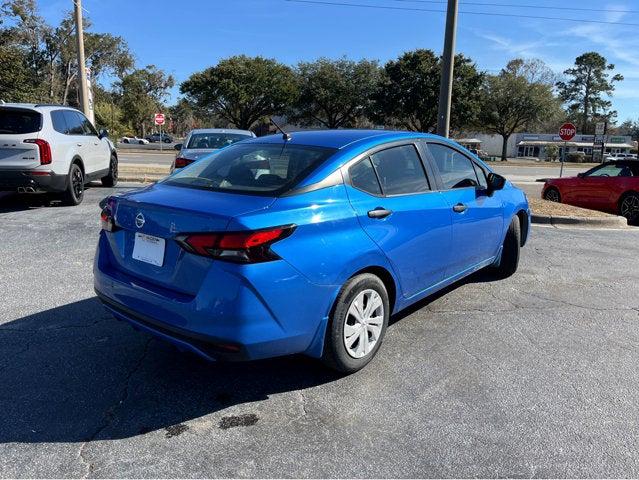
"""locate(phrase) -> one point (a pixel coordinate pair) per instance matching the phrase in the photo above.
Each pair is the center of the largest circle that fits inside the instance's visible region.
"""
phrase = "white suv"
(53, 148)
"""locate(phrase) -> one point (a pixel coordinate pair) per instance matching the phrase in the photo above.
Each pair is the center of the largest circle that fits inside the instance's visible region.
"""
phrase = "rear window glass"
(252, 168)
(214, 140)
(18, 121)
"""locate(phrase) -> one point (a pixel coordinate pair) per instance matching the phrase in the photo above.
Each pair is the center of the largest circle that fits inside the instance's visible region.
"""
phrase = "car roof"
(220, 130)
(339, 139)
(37, 106)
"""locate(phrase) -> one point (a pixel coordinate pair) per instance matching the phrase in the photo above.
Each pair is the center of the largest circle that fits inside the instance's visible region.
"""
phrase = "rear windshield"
(252, 168)
(18, 121)
(214, 140)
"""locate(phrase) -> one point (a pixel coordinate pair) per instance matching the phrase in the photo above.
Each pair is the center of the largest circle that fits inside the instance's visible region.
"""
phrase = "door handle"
(379, 212)
(79, 144)
(460, 208)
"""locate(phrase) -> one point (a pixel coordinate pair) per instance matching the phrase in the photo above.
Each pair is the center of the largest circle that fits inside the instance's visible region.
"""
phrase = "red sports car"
(610, 187)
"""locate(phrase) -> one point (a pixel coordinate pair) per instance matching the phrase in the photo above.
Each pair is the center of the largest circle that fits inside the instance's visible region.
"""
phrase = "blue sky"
(185, 36)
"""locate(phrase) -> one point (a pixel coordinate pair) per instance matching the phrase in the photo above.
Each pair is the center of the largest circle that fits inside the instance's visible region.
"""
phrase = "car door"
(391, 193)
(477, 218)
(98, 150)
(598, 186)
(77, 139)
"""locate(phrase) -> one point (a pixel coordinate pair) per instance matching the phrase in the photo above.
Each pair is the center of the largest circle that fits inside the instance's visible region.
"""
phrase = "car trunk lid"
(165, 212)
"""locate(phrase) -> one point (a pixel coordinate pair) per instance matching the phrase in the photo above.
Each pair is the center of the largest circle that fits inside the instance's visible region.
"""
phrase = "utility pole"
(448, 63)
(82, 71)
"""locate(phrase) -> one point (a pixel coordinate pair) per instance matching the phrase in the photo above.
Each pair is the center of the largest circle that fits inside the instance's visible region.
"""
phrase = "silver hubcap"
(630, 206)
(363, 323)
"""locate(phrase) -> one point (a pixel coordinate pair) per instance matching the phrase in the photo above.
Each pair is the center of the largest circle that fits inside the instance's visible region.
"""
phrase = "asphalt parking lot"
(533, 376)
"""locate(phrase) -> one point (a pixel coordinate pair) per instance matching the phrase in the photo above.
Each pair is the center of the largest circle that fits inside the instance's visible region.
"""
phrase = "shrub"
(575, 157)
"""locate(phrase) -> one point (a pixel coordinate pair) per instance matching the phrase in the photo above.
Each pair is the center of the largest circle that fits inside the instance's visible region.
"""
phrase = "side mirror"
(177, 146)
(495, 182)
(581, 175)
(103, 134)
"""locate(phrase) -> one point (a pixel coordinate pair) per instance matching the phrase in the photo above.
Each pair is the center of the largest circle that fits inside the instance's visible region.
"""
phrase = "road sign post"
(567, 132)
(159, 121)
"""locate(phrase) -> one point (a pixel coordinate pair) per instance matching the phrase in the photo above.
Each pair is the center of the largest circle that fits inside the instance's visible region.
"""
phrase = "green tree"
(408, 95)
(334, 93)
(242, 90)
(585, 88)
(552, 152)
(142, 93)
(510, 102)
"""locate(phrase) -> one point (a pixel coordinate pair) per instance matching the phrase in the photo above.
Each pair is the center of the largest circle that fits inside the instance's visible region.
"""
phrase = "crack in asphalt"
(109, 414)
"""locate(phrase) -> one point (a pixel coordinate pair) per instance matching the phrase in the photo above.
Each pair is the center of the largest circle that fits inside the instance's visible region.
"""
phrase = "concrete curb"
(595, 222)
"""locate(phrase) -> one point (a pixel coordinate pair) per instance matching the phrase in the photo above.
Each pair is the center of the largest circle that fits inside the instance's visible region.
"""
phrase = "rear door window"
(455, 169)
(363, 177)
(19, 121)
(59, 122)
(400, 170)
(74, 123)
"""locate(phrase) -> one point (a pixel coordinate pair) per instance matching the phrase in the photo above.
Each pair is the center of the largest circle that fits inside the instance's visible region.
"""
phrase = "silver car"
(202, 141)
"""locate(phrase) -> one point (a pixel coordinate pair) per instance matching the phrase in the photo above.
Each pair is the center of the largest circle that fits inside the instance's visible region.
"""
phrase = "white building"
(533, 145)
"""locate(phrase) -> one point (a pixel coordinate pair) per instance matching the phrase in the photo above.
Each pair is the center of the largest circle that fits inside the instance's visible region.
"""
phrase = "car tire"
(140, 142)
(74, 194)
(509, 261)
(552, 195)
(125, 141)
(629, 207)
(111, 180)
(166, 140)
(353, 339)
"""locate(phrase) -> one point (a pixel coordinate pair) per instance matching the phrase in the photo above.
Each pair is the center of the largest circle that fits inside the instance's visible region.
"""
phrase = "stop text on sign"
(567, 132)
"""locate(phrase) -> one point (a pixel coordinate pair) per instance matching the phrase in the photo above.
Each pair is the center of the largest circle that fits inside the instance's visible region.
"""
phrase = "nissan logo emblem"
(139, 220)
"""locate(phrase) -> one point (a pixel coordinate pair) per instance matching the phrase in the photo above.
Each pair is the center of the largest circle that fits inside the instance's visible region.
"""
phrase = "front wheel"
(510, 251)
(111, 179)
(74, 193)
(357, 324)
(166, 140)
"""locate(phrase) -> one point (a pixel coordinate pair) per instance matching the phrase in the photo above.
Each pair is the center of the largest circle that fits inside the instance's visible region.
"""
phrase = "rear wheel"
(629, 207)
(552, 195)
(111, 179)
(510, 252)
(357, 324)
(74, 193)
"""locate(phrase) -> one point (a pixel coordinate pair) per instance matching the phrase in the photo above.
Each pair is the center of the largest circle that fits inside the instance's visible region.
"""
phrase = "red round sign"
(567, 132)
(159, 119)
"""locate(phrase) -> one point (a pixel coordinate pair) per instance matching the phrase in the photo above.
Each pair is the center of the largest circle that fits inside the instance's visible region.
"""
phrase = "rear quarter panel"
(328, 245)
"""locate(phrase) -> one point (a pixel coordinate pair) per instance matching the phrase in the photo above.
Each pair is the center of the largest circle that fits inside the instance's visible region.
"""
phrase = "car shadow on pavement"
(75, 374)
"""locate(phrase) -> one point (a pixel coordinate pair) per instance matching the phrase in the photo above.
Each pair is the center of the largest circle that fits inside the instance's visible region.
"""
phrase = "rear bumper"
(238, 313)
(38, 180)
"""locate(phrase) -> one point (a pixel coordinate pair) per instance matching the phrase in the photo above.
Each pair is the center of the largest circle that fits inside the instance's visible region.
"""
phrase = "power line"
(486, 14)
(512, 5)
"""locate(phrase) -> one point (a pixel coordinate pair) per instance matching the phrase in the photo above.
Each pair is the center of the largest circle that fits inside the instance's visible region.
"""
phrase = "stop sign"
(567, 132)
(159, 119)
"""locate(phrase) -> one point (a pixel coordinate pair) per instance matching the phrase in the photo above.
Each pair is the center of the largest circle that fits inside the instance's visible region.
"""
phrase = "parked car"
(203, 141)
(139, 141)
(612, 187)
(306, 242)
(53, 148)
(160, 137)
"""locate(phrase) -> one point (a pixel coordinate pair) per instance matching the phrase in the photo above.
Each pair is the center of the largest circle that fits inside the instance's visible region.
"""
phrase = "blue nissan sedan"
(304, 243)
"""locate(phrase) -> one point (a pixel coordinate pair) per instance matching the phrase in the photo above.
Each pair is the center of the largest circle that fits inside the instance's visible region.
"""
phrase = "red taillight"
(181, 162)
(44, 148)
(107, 216)
(239, 247)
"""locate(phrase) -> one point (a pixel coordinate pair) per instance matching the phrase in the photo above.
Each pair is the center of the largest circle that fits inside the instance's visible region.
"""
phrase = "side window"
(59, 122)
(612, 170)
(74, 123)
(456, 170)
(87, 126)
(363, 177)
(400, 170)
